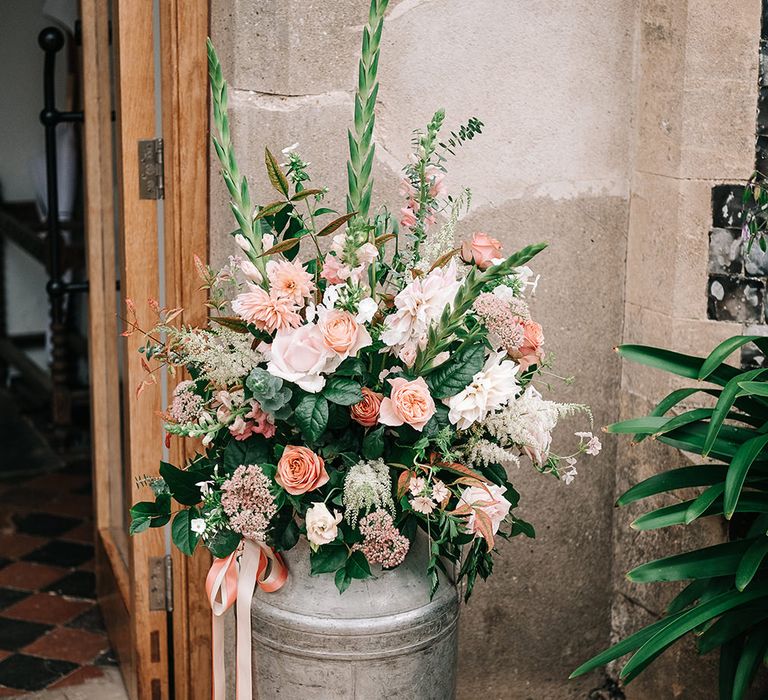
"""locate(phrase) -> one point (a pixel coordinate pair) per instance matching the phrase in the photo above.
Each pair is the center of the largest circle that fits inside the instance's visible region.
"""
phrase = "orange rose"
(481, 250)
(409, 402)
(531, 352)
(300, 470)
(342, 333)
(366, 412)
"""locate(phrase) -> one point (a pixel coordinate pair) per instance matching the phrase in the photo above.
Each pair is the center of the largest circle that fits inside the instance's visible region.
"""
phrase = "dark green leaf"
(182, 484)
(373, 443)
(737, 472)
(453, 376)
(342, 580)
(270, 209)
(357, 565)
(223, 543)
(702, 502)
(304, 194)
(750, 562)
(327, 558)
(725, 349)
(684, 477)
(707, 562)
(343, 391)
(312, 416)
(254, 450)
(181, 531)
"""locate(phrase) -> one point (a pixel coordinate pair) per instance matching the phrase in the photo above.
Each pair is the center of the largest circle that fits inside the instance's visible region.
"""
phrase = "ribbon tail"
(250, 562)
(220, 582)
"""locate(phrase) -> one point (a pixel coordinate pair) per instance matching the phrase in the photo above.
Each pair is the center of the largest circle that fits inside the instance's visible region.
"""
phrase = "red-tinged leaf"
(381, 240)
(168, 441)
(304, 194)
(154, 304)
(472, 481)
(145, 365)
(463, 509)
(335, 224)
(403, 482)
(282, 246)
(202, 270)
(275, 174)
(149, 381)
(461, 469)
(485, 526)
(270, 209)
(444, 259)
(172, 314)
(231, 322)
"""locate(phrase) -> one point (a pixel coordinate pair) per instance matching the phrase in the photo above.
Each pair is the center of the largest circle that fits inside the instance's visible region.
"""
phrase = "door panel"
(139, 249)
(123, 245)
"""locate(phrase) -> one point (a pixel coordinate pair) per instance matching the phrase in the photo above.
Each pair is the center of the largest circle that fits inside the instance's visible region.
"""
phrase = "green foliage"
(451, 377)
(181, 531)
(342, 391)
(726, 601)
(146, 514)
(312, 416)
(361, 146)
(182, 484)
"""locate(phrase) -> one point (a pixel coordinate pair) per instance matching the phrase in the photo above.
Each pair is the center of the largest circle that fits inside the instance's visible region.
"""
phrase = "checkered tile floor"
(51, 631)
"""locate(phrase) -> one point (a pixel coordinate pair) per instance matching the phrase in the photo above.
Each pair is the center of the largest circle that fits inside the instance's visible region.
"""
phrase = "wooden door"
(137, 56)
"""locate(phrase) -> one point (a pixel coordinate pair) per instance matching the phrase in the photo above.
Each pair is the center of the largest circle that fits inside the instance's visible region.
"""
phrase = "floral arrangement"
(359, 392)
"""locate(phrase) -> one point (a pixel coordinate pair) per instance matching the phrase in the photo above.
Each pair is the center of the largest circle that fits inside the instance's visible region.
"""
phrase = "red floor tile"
(58, 482)
(81, 675)
(78, 646)
(82, 533)
(29, 576)
(17, 544)
(4, 654)
(48, 608)
(74, 505)
(8, 692)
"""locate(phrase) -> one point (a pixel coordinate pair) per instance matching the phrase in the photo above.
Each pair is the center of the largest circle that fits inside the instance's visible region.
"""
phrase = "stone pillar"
(696, 90)
(553, 83)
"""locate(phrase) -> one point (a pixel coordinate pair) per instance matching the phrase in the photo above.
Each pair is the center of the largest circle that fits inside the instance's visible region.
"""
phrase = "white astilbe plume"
(442, 240)
(528, 422)
(484, 453)
(367, 486)
(222, 355)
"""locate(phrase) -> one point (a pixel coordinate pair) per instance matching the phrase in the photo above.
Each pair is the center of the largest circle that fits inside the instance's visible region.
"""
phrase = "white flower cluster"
(528, 423)
(224, 356)
(367, 486)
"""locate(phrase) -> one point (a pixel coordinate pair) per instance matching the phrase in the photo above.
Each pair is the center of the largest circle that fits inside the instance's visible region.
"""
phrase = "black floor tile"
(61, 553)
(24, 672)
(9, 596)
(4, 562)
(78, 584)
(90, 620)
(15, 634)
(44, 524)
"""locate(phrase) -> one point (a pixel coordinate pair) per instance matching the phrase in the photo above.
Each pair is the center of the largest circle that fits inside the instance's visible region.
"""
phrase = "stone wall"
(696, 92)
(584, 102)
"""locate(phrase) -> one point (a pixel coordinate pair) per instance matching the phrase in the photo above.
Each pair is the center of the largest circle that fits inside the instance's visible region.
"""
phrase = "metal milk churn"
(383, 638)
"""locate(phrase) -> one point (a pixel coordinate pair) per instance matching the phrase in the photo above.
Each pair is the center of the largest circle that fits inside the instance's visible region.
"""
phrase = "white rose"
(322, 526)
(300, 355)
(366, 310)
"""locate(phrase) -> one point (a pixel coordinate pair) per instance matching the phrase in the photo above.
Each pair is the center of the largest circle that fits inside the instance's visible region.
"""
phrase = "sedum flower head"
(367, 486)
(383, 543)
(247, 500)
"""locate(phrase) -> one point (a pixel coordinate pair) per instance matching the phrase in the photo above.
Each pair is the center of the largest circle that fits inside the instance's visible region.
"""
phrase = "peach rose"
(531, 352)
(409, 402)
(342, 333)
(366, 412)
(300, 470)
(481, 250)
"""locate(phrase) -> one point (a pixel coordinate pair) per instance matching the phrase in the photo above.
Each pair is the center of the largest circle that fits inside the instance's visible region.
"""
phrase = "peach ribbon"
(230, 581)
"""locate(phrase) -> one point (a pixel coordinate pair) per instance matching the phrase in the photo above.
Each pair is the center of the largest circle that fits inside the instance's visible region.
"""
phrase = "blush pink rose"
(342, 333)
(334, 270)
(300, 470)
(409, 402)
(531, 351)
(481, 250)
(300, 355)
(366, 412)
